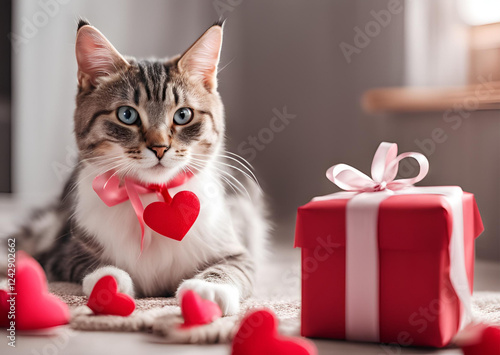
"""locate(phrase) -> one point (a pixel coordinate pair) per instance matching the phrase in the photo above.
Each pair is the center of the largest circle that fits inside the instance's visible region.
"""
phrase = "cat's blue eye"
(127, 114)
(183, 116)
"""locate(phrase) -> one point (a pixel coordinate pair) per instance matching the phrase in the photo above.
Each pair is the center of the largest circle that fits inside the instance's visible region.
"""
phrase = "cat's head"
(147, 119)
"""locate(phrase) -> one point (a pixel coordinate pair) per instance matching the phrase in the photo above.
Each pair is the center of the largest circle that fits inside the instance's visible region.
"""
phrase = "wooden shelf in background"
(481, 96)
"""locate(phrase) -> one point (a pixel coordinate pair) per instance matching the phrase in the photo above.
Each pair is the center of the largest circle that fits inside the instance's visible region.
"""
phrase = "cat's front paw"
(123, 279)
(225, 295)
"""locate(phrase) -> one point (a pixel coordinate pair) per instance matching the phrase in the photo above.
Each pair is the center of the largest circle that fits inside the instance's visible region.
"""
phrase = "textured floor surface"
(280, 284)
(279, 289)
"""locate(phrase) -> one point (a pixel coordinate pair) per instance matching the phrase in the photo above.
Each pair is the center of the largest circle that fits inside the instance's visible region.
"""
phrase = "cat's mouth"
(159, 167)
(156, 171)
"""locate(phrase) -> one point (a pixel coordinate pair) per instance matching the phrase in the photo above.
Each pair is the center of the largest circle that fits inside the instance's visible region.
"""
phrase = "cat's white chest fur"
(164, 262)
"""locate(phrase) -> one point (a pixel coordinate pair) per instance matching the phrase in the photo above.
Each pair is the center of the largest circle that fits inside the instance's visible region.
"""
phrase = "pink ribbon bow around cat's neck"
(171, 217)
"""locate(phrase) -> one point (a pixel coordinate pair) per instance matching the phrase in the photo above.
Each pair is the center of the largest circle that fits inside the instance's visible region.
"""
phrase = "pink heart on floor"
(197, 311)
(258, 335)
(173, 219)
(106, 300)
(36, 308)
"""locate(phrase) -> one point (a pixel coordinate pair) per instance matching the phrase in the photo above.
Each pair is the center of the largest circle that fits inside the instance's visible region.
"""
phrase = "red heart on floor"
(197, 311)
(36, 308)
(488, 344)
(4, 309)
(258, 335)
(105, 299)
(173, 219)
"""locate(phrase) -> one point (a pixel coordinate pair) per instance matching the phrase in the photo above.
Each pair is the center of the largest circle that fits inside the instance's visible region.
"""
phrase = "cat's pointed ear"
(96, 56)
(201, 59)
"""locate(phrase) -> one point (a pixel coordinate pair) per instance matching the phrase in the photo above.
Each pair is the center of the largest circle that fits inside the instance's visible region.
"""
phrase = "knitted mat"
(162, 316)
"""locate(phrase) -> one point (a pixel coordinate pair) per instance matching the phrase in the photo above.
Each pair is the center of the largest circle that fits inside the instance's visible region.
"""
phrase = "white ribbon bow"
(385, 167)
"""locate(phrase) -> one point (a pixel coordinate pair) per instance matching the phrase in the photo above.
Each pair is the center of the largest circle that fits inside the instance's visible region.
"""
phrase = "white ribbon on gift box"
(365, 195)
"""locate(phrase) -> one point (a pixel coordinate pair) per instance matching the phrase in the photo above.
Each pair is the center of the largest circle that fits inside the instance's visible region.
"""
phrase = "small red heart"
(35, 307)
(258, 335)
(197, 311)
(4, 309)
(487, 344)
(173, 219)
(105, 299)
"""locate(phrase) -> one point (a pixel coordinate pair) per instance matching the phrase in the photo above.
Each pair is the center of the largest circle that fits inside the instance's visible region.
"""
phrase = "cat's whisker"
(225, 66)
(229, 175)
(108, 164)
(239, 156)
(234, 157)
(102, 169)
(117, 168)
(124, 169)
(129, 170)
(99, 158)
(228, 165)
(78, 182)
(213, 179)
(233, 186)
(250, 170)
(252, 177)
(198, 169)
(103, 163)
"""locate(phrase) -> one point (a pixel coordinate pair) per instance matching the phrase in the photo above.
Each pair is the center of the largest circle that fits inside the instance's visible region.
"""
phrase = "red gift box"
(417, 302)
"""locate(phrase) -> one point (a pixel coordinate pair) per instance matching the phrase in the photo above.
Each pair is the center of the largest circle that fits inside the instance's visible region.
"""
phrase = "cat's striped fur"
(79, 235)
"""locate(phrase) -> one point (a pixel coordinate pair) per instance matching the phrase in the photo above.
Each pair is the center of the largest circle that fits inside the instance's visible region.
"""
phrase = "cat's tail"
(38, 233)
(41, 229)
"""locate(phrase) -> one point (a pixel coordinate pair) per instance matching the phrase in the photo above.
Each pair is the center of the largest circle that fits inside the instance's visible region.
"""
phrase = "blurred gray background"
(277, 55)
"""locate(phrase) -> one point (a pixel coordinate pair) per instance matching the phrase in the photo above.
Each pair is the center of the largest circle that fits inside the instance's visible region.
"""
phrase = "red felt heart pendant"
(258, 335)
(173, 219)
(488, 343)
(4, 309)
(36, 308)
(105, 299)
(197, 311)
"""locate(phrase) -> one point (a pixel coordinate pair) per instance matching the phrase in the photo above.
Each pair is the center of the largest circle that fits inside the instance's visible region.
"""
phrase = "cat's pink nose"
(159, 150)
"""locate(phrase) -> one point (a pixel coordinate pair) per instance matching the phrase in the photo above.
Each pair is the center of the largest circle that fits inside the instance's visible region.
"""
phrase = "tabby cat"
(150, 120)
